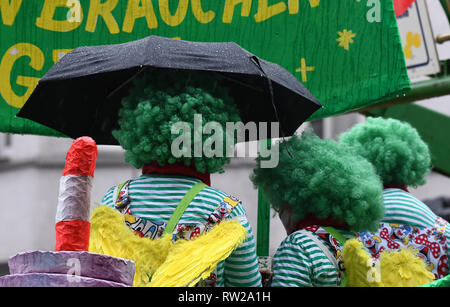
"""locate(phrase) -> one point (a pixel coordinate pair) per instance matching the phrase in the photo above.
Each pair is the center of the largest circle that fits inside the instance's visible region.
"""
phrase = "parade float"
(71, 264)
(313, 40)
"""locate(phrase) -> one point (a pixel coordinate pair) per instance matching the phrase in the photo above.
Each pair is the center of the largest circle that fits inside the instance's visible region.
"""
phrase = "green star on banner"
(347, 53)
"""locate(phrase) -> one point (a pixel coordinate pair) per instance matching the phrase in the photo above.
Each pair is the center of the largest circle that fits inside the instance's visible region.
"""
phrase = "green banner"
(346, 52)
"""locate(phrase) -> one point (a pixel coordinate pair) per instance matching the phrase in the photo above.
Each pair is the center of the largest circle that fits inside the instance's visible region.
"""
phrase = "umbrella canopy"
(81, 94)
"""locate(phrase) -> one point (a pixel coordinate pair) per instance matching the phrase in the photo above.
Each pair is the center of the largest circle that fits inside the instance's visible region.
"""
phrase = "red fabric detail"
(81, 157)
(72, 235)
(312, 220)
(176, 169)
(401, 6)
(393, 186)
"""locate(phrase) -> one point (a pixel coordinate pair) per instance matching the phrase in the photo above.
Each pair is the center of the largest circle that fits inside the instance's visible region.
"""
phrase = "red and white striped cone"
(73, 211)
(71, 265)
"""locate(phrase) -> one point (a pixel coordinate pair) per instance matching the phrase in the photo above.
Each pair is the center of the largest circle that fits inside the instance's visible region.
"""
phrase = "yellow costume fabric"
(161, 262)
(393, 268)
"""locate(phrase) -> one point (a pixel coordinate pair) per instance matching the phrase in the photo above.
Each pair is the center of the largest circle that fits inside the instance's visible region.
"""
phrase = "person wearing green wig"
(402, 159)
(323, 194)
(157, 102)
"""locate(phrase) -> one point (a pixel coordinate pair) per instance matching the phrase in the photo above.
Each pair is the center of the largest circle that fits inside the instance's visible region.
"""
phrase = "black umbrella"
(81, 94)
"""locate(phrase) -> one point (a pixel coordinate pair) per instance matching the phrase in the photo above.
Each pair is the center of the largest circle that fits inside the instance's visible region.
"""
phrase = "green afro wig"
(395, 148)
(324, 179)
(158, 101)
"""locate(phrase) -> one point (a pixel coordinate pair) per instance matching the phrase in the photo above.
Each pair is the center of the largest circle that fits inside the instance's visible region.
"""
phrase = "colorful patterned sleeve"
(291, 265)
(241, 267)
(447, 235)
(403, 208)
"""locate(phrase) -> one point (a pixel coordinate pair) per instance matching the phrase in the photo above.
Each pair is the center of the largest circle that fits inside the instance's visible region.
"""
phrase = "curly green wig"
(158, 101)
(395, 149)
(324, 179)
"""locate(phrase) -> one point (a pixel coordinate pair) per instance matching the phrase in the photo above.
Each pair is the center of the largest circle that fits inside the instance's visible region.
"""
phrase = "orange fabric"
(81, 157)
(72, 235)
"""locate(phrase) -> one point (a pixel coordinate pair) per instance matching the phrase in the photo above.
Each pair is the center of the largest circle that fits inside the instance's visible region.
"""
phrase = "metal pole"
(263, 230)
(442, 38)
(419, 90)
(446, 5)
(263, 233)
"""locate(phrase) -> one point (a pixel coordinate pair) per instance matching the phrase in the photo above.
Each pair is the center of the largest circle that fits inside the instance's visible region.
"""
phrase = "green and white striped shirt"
(155, 197)
(299, 262)
(403, 208)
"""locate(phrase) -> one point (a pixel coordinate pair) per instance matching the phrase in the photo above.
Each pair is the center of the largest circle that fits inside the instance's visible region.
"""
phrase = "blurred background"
(31, 166)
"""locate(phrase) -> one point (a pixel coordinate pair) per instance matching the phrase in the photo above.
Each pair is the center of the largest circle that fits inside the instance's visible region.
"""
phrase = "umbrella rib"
(125, 83)
(112, 93)
(241, 83)
(256, 61)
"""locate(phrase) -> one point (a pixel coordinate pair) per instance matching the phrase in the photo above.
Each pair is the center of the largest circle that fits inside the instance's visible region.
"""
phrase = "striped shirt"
(155, 197)
(300, 262)
(403, 208)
